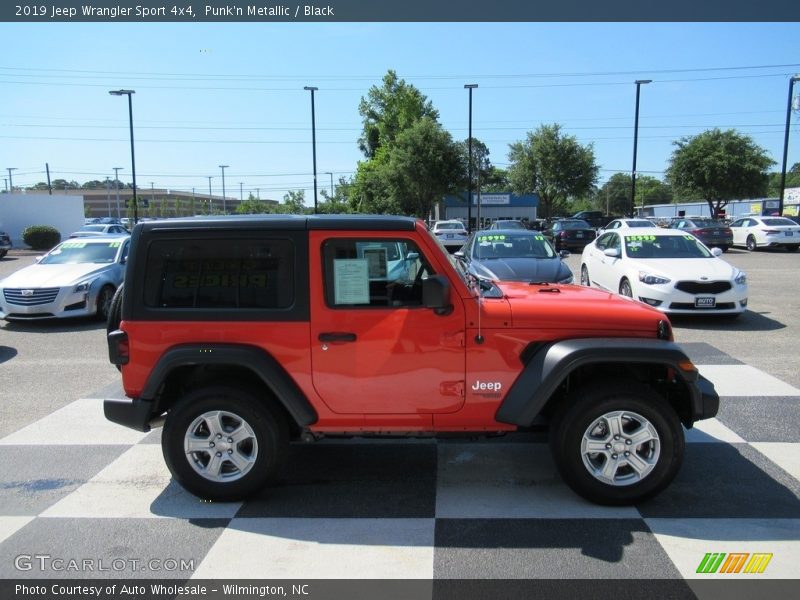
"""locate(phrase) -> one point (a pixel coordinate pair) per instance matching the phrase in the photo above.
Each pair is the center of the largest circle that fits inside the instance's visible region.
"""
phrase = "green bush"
(41, 237)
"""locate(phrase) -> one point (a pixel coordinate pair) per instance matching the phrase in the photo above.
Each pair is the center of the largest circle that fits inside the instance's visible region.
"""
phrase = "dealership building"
(494, 206)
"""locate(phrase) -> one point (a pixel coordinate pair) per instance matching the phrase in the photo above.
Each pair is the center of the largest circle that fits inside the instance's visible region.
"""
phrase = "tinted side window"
(220, 273)
(361, 273)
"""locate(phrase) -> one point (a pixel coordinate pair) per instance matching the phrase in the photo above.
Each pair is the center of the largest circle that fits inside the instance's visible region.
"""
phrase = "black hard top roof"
(284, 222)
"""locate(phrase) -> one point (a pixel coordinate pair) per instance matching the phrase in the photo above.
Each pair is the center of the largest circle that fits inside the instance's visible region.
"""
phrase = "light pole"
(470, 87)
(210, 201)
(331, 174)
(129, 94)
(638, 83)
(313, 141)
(241, 192)
(116, 183)
(224, 206)
(108, 196)
(10, 181)
(786, 140)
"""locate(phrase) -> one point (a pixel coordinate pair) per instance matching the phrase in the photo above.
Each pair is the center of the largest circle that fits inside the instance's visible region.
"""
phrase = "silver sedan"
(76, 278)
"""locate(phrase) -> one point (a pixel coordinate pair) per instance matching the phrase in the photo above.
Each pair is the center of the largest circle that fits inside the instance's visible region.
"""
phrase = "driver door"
(375, 348)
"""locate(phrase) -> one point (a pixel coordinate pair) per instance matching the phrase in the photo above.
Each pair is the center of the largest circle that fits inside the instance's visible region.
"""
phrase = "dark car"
(711, 232)
(570, 234)
(5, 243)
(514, 255)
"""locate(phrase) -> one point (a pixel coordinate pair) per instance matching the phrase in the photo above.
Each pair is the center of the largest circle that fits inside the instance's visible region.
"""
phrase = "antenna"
(479, 337)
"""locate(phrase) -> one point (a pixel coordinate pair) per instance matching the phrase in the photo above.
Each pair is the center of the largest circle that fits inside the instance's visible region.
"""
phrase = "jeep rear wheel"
(617, 443)
(224, 443)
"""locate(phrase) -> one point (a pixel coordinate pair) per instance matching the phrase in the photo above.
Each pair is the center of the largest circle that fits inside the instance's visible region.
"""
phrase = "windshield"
(780, 222)
(708, 223)
(93, 228)
(573, 225)
(458, 226)
(665, 246)
(641, 224)
(507, 225)
(488, 246)
(82, 252)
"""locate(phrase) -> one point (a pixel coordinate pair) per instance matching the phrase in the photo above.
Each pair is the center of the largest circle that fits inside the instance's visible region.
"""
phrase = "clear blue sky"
(211, 94)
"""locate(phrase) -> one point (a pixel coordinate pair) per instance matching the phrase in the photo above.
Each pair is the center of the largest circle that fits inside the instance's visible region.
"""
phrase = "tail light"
(119, 350)
(770, 231)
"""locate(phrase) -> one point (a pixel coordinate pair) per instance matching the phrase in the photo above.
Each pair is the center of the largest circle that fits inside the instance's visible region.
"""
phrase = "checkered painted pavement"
(74, 486)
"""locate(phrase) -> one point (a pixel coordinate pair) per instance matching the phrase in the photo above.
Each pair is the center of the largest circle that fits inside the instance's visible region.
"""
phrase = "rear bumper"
(136, 414)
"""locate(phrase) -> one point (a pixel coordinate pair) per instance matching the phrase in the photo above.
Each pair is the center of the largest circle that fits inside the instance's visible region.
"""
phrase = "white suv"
(452, 234)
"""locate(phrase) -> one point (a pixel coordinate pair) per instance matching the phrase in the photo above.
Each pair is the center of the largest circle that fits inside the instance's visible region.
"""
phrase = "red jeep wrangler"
(240, 335)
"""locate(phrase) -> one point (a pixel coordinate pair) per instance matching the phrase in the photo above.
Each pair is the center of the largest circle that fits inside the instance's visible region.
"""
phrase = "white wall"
(18, 211)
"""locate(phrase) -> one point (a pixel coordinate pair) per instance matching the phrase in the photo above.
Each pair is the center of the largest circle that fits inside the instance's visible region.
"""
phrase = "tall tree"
(388, 110)
(718, 166)
(424, 165)
(553, 165)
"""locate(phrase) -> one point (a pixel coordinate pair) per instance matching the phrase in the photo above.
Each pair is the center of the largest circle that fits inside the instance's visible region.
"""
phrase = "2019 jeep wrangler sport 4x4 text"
(240, 335)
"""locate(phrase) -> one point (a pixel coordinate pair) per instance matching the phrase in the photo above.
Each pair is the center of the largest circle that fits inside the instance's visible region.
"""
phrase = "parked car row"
(676, 270)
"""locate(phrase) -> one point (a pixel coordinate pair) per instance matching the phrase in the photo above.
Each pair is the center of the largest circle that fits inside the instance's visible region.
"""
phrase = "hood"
(686, 269)
(578, 308)
(521, 269)
(49, 276)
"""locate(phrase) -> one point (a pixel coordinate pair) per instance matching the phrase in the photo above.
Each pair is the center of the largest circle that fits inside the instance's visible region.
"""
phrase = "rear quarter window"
(227, 273)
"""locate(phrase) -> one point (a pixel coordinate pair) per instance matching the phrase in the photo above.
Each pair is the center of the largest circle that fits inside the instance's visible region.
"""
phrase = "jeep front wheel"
(224, 443)
(617, 443)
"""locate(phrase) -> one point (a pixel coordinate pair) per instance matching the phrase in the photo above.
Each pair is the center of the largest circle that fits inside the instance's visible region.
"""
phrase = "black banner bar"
(735, 588)
(150, 11)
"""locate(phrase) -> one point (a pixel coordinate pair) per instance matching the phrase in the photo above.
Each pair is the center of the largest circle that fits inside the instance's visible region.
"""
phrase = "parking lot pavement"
(73, 485)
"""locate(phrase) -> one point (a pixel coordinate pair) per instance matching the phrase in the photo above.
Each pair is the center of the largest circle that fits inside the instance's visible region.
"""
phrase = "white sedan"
(670, 270)
(452, 234)
(764, 232)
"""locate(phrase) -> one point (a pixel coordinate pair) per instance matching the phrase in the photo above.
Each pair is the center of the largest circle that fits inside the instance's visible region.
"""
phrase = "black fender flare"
(552, 363)
(257, 360)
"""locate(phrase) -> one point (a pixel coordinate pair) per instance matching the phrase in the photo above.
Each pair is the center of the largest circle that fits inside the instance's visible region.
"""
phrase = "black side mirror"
(436, 294)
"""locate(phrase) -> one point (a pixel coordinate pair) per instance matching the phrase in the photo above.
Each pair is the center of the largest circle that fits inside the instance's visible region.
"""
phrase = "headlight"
(649, 279)
(83, 287)
(568, 279)
(741, 278)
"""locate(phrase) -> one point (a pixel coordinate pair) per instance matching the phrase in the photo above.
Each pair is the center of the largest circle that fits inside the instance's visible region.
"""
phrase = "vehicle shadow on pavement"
(7, 353)
(54, 326)
(749, 321)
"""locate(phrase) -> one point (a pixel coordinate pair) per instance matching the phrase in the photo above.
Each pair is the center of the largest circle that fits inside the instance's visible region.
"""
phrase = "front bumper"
(706, 401)
(46, 303)
(676, 302)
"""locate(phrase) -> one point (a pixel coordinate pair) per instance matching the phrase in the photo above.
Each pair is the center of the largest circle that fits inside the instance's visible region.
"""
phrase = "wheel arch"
(187, 367)
(553, 369)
